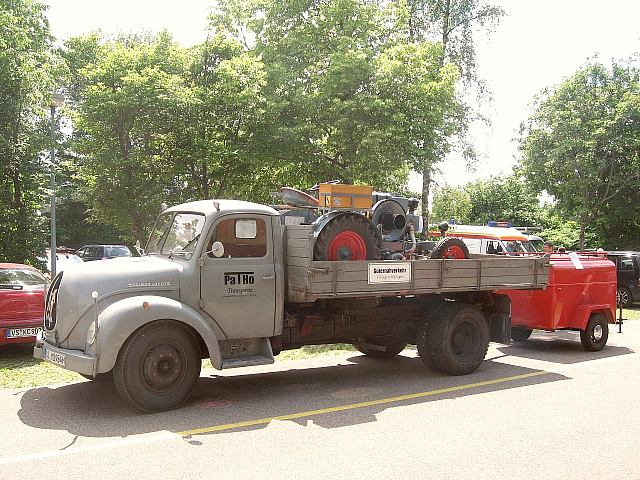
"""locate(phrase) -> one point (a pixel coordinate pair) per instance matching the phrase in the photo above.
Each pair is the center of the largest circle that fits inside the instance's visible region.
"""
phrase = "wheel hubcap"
(347, 245)
(597, 333)
(163, 367)
(622, 297)
(462, 340)
(454, 252)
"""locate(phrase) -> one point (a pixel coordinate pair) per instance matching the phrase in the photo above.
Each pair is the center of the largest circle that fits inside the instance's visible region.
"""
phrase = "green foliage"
(581, 144)
(25, 83)
(498, 198)
(451, 203)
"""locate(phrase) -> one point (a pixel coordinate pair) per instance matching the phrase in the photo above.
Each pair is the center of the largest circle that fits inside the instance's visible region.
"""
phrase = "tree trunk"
(426, 185)
(584, 220)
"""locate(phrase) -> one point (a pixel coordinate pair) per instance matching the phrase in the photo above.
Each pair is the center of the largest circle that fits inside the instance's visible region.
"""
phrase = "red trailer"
(581, 296)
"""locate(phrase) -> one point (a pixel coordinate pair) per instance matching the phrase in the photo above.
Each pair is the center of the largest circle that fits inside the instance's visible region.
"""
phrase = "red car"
(22, 290)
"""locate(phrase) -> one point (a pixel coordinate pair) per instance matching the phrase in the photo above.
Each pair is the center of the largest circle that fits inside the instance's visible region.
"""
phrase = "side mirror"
(217, 249)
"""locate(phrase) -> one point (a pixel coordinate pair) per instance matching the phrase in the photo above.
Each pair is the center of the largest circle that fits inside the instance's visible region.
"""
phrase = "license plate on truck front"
(23, 332)
(54, 357)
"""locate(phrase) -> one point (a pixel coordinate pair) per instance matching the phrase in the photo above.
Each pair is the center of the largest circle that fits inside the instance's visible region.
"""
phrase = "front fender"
(118, 321)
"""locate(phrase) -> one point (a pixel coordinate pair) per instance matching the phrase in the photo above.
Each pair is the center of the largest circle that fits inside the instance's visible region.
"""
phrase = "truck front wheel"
(454, 340)
(594, 336)
(158, 366)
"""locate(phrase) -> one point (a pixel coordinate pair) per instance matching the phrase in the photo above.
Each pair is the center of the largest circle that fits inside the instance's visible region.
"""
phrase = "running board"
(245, 352)
(247, 361)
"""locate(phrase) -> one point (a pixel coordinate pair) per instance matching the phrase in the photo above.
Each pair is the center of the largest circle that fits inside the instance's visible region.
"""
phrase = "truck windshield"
(176, 234)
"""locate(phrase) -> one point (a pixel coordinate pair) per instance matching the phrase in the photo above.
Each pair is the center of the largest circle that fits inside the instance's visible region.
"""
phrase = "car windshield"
(177, 235)
(24, 277)
(118, 251)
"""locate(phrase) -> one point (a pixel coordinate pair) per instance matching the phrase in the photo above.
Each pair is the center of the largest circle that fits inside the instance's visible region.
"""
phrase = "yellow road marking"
(352, 406)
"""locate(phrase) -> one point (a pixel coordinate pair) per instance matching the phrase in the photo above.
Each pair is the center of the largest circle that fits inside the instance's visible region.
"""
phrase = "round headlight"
(91, 333)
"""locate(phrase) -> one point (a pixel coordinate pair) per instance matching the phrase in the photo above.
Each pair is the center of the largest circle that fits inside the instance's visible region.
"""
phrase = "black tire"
(450, 247)
(431, 313)
(359, 226)
(455, 340)
(623, 297)
(520, 334)
(594, 336)
(158, 366)
(392, 347)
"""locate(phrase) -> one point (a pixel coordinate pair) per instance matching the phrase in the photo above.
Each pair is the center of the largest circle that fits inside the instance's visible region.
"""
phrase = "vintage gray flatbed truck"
(229, 281)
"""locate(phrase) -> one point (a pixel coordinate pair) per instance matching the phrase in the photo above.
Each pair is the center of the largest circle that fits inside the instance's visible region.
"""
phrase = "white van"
(491, 240)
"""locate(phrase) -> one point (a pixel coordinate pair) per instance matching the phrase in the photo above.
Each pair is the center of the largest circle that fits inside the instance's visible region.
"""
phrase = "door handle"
(268, 277)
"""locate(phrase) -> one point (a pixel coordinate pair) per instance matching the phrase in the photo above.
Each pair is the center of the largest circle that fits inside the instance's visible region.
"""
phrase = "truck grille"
(51, 310)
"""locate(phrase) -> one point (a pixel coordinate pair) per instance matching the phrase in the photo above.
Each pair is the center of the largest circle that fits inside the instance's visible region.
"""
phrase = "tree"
(124, 128)
(497, 198)
(25, 85)
(582, 144)
(451, 203)
(451, 22)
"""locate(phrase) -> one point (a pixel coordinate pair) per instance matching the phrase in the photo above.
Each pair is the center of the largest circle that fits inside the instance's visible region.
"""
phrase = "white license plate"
(54, 357)
(23, 332)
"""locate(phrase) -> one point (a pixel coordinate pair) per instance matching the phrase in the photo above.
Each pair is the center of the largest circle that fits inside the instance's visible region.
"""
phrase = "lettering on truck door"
(238, 289)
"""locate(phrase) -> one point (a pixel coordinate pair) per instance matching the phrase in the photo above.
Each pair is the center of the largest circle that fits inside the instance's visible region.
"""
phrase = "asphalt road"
(540, 409)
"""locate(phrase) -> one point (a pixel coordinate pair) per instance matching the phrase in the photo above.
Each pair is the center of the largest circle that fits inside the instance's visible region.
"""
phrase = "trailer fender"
(584, 312)
(119, 320)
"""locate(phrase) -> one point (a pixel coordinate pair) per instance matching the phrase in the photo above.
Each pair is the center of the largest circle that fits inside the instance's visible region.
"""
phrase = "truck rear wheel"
(158, 366)
(454, 340)
(377, 348)
(520, 334)
(594, 336)
(348, 237)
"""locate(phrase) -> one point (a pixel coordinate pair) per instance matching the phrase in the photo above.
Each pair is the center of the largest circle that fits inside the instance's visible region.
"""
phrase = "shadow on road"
(561, 346)
(93, 409)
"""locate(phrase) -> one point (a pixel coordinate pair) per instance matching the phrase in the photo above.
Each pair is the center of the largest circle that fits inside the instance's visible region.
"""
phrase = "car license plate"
(54, 357)
(23, 332)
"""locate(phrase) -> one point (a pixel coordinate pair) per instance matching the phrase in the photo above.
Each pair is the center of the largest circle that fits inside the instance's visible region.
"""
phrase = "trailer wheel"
(158, 366)
(594, 336)
(623, 297)
(520, 334)
(450, 247)
(387, 349)
(348, 237)
(455, 340)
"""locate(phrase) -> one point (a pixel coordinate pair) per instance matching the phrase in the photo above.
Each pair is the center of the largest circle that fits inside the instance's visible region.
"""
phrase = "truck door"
(238, 289)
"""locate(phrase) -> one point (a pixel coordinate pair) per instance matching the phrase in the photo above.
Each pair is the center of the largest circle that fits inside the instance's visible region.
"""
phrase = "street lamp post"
(57, 99)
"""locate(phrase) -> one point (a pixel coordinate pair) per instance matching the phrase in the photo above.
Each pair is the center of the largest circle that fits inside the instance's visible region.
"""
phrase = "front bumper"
(74, 360)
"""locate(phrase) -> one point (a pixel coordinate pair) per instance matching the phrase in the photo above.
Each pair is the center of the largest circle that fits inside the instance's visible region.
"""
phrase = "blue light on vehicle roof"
(494, 223)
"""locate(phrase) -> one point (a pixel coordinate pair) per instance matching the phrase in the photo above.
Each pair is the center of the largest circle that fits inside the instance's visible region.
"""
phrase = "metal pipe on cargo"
(412, 235)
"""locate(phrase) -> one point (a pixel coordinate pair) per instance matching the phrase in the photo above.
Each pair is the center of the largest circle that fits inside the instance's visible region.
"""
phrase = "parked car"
(89, 253)
(628, 270)
(64, 260)
(22, 290)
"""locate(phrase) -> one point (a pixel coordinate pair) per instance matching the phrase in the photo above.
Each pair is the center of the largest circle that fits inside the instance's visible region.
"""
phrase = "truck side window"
(241, 237)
